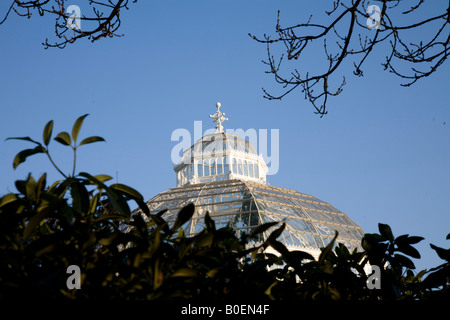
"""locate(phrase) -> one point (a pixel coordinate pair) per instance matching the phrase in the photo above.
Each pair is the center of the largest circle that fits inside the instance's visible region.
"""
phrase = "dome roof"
(217, 144)
(223, 174)
(310, 222)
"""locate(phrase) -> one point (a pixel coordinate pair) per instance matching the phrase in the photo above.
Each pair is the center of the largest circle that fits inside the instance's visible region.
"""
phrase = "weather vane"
(218, 118)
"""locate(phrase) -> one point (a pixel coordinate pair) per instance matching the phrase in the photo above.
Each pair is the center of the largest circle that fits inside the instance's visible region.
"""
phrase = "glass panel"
(225, 165)
(206, 167)
(234, 166)
(245, 168)
(219, 165)
(213, 167)
(240, 166)
(200, 170)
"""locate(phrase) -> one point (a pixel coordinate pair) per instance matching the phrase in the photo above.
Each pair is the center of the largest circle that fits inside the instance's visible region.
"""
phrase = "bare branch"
(103, 22)
(416, 60)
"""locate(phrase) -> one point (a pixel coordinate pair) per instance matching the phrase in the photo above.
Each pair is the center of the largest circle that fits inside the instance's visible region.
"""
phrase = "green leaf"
(300, 255)
(327, 249)
(47, 134)
(24, 154)
(261, 228)
(118, 203)
(8, 198)
(184, 272)
(408, 250)
(103, 177)
(25, 139)
(132, 193)
(91, 140)
(277, 245)
(184, 215)
(277, 232)
(63, 138)
(107, 241)
(77, 126)
(404, 261)
(209, 222)
(444, 254)
(80, 198)
(414, 239)
(386, 231)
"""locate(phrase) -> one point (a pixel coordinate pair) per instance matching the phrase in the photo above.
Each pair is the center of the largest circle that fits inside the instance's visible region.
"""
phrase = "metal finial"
(218, 118)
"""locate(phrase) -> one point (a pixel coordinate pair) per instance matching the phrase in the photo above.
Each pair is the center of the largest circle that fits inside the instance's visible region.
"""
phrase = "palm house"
(224, 175)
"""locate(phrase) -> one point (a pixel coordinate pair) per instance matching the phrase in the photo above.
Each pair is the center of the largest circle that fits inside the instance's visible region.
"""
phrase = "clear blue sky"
(382, 154)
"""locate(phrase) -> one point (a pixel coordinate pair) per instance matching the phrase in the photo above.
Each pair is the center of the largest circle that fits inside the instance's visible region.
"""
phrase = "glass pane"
(206, 168)
(245, 168)
(240, 167)
(219, 165)
(234, 166)
(200, 170)
(213, 167)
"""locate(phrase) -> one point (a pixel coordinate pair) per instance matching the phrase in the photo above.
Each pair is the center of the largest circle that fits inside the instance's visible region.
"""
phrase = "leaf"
(127, 190)
(47, 134)
(444, 254)
(119, 204)
(327, 249)
(103, 177)
(63, 138)
(24, 154)
(24, 138)
(209, 222)
(261, 228)
(91, 140)
(404, 261)
(184, 215)
(107, 241)
(408, 250)
(277, 245)
(300, 255)
(80, 198)
(414, 239)
(77, 126)
(8, 198)
(386, 231)
(277, 232)
(184, 272)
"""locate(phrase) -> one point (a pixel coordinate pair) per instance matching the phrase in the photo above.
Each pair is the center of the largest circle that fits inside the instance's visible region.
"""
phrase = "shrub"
(82, 221)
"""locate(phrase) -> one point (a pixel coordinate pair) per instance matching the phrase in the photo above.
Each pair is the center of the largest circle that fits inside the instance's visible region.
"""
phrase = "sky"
(381, 154)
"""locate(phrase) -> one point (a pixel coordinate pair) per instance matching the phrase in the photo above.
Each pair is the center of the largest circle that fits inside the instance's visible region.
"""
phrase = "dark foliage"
(82, 221)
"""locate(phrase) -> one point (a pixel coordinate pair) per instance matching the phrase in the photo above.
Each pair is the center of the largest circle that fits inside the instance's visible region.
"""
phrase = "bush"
(82, 221)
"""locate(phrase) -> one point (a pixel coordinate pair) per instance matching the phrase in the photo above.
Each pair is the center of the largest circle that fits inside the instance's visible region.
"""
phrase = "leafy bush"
(82, 221)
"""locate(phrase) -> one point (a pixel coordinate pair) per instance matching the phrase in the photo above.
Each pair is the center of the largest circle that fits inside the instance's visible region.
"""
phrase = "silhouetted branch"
(367, 27)
(103, 19)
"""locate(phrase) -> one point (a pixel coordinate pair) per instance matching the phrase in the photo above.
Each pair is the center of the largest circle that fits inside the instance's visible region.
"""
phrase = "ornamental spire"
(218, 118)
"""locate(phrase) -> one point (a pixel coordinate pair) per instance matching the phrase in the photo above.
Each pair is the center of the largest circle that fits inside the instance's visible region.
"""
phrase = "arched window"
(213, 167)
(206, 167)
(245, 168)
(257, 171)
(200, 169)
(240, 166)
(219, 165)
(250, 169)
(234, 166)
(225, 165)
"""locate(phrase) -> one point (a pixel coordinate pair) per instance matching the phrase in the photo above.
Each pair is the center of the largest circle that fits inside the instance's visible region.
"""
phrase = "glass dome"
(310, 222)
(220, 156)
(223, 174)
